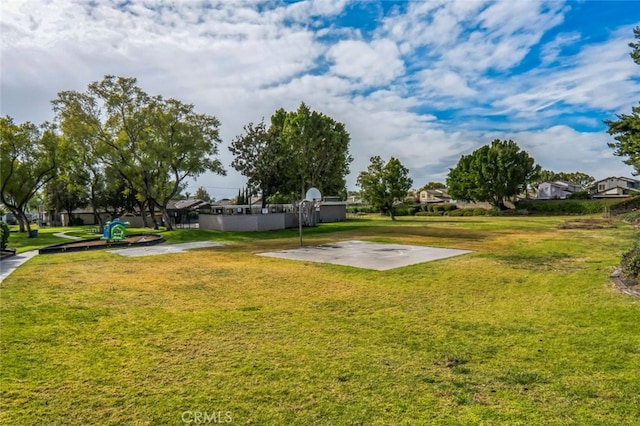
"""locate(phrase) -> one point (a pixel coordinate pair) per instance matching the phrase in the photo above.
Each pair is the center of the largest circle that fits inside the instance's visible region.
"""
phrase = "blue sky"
(424, 81)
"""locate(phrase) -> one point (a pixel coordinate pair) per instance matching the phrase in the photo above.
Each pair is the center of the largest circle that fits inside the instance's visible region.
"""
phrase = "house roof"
(616, 178)
(560, 183)
(186, 204)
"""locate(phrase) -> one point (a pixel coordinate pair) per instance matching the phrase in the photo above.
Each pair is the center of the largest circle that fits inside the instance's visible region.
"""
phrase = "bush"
(446, 207)
(630, 262)
(77, 221)
(566, 206)
(581, 195)
(632, 217)
(4, 235)
(361, 209)
(470, 211)
(404, 210)
(427, 213)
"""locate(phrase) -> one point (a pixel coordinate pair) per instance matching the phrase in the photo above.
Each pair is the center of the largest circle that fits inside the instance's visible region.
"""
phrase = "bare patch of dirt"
(588, 224)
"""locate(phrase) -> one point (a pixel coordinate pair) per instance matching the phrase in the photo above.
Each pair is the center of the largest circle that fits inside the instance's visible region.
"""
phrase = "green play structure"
(115, 230)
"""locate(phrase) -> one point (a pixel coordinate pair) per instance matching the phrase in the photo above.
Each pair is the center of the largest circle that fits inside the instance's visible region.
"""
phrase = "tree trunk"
(70, 215)
(167, 219)
(152, 211)
(24, 222)
(20, 220)
(145, 222)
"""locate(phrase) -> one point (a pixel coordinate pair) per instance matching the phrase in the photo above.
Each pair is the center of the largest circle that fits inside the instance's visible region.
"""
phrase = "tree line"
(116, 148)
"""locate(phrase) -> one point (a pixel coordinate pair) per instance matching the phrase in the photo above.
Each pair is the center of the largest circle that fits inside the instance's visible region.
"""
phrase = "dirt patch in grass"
(587, 224)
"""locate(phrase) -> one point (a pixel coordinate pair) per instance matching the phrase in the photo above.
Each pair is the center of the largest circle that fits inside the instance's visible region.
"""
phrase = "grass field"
(527, 329)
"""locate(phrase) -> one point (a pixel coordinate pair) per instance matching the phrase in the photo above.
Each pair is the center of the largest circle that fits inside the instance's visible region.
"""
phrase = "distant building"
(429, 196)
(615, 187)
(556, 190)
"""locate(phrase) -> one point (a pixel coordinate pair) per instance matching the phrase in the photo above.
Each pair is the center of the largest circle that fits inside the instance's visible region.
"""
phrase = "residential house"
(430, 196)
(556, 190)
(615, 187)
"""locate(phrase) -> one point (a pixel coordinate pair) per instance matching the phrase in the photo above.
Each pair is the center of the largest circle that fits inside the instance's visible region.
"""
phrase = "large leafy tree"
(28, 160)
(154, 144)
(179, 144)
(384, 184)
(257, 155)
(492, 173)
(626, 129)
(299, 150)
(317, 149)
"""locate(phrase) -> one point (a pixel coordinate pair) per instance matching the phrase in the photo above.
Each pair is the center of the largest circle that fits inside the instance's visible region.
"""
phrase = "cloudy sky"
(424, 81)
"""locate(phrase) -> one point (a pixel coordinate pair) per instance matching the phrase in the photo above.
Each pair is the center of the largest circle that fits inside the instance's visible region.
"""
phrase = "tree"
(300, 149)
(492, 173)
(384, 184)
(153, 143)
(202, 194)
(66, 193)
(626, 129)
(579, 178)
(258, 156)
(318, 151)
(27, 162)
(433, 185)
(179, 144)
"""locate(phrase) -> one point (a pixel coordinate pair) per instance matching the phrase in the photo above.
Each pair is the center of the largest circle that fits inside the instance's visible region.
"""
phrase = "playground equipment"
(115, 230)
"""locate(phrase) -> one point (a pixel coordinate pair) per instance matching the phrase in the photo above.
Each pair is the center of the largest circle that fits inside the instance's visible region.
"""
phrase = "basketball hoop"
(313, 196)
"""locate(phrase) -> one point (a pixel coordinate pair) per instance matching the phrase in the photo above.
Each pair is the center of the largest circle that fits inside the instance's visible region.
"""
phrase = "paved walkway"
(64, 235)
(8, 265)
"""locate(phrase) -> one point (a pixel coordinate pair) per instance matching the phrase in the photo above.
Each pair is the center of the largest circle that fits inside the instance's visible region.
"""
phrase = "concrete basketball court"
(367, 255)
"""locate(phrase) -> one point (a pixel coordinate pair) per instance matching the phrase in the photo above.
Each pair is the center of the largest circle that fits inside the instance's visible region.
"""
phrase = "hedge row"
(477, 211)
(407, 210)
(566, 206)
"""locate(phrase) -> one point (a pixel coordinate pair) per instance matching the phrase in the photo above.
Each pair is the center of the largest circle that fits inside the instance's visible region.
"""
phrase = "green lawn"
(527, 329)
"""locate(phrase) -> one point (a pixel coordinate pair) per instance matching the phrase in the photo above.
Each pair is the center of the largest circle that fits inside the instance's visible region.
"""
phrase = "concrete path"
(8, 265)
(64, 235)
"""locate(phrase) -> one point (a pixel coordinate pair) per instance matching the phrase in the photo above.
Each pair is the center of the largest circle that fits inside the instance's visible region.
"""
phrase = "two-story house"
(434, 196)
(615, 187)
(556, 190)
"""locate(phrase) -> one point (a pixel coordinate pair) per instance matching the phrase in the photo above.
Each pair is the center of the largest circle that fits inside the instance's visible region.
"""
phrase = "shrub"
(77, 221)
(581, 195)
(630, 262)
(470, 211)
(632, 217)
(565, 206)
(447, 207)
(404, 210)
(4, 235)
(429, 213)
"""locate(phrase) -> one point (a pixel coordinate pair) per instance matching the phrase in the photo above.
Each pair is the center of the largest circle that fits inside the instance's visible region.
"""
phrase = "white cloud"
(242, 60)
(374, 63)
